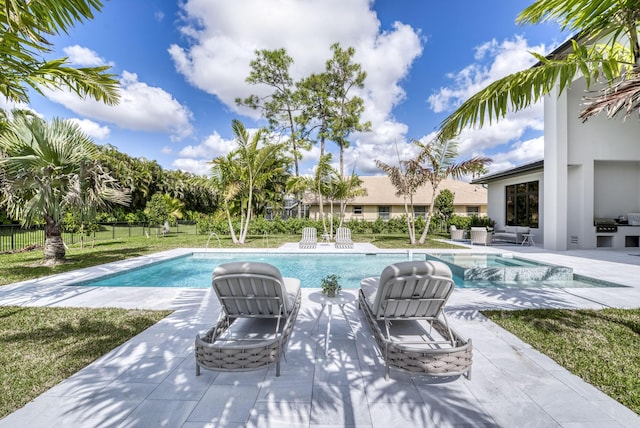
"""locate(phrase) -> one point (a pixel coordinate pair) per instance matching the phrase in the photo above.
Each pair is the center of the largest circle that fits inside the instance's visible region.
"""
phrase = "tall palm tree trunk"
(53, 244)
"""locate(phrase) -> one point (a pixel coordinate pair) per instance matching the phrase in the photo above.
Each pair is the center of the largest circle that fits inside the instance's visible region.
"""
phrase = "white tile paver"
(150, 381)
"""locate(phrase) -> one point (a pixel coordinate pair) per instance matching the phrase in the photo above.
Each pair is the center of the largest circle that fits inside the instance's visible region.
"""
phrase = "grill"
(607, 225)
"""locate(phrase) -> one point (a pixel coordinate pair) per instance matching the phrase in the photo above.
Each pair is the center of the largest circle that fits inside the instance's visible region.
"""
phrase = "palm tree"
(438, 158)
(606, 45)
(347, 188)
(50, 168)
(298, 185)
(407, 179)
(24, 28)
(245, 171)
(226, 176)
(321, 184)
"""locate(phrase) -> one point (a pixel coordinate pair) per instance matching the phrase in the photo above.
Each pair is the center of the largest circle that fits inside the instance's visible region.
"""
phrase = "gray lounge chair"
(309, 238)
(259, 308)
(343, 238)
(404, 308)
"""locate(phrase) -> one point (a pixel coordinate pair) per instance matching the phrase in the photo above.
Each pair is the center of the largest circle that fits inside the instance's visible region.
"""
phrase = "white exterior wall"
(555, 172)
(591, 169)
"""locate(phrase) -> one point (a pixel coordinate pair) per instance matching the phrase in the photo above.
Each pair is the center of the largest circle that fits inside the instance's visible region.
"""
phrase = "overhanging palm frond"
(577, 15)
(622, 97)
(526, 87)
(24, 28)
(514, 92)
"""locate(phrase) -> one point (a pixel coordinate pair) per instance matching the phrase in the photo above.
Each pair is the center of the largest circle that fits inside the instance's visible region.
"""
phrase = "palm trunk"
(423, 237)
(234, 239)
(410, 222)
(243, 233)
(53, 244)
(321, 207)
(343, 210)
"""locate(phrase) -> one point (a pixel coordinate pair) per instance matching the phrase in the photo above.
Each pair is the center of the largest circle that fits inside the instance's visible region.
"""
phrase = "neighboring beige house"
(381, 200)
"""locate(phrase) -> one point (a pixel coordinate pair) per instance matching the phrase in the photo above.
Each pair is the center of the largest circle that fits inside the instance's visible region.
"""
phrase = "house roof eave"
(519, 170)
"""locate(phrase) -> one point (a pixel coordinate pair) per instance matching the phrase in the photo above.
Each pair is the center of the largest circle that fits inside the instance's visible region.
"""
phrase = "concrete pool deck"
(150, 380)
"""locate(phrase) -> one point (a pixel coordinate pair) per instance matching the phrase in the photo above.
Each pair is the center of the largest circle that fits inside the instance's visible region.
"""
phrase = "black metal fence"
(14, 237)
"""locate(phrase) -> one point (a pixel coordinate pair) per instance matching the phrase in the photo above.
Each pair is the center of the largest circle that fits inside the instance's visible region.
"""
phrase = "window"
(473, 210)
(384, 212)
(420, 212)
(522, 204)
(357, 210)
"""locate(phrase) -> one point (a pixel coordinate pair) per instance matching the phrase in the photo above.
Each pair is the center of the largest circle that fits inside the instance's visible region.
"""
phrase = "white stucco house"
(590, 174)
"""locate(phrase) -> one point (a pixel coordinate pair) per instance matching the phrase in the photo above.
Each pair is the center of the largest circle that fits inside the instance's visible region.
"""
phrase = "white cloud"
(141, 108)
(195, 166)
(522, 152)
(494, 60)
(92, 128)
(8, 105)
(195, 158)
(212, 147)
(223, 40)
(83, 56)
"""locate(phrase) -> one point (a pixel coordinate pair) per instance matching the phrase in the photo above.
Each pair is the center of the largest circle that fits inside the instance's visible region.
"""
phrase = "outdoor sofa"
(514, 234)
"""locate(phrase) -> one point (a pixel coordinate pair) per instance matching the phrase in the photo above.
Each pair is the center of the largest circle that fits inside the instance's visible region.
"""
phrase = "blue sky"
(182, 63)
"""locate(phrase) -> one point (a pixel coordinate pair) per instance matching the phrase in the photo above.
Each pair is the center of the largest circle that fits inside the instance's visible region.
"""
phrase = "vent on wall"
(573, 240)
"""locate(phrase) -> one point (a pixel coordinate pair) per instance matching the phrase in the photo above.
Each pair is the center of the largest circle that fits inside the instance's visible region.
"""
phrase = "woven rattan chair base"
(213, 353)
(443, 361)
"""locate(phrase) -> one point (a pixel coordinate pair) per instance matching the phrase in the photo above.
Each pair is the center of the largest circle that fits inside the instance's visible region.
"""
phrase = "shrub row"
(294, 226)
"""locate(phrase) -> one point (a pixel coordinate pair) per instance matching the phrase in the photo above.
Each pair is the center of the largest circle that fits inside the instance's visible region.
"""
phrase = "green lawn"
(602, 347)
(40, 347)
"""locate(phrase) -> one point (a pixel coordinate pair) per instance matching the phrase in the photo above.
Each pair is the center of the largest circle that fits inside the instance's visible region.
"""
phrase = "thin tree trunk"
(410, 222)
(321, 206)
(234, 239)
(343, 210)
(243, 234)
(423, 237)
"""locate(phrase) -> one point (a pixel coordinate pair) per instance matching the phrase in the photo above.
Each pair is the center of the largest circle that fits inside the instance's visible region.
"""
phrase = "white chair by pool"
(309, 238)
(457, 234)
(343, 238)
(259, 308)
(480, 235)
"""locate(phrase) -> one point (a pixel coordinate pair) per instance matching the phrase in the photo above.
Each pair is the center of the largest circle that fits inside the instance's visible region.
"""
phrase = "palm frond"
(524, 88)
(622, 97)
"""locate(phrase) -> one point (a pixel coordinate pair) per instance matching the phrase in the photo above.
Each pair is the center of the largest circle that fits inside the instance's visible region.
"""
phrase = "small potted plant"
(330, 285)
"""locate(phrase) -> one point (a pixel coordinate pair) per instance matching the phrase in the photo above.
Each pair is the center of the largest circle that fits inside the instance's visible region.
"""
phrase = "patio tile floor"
(150, 381)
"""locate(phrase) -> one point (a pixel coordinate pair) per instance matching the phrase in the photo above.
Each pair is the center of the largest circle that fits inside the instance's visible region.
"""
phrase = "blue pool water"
(483, 260)
(194, 271)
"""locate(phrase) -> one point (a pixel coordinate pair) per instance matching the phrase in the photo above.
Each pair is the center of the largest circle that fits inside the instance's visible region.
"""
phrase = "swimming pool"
(501, 268)
(194, 271)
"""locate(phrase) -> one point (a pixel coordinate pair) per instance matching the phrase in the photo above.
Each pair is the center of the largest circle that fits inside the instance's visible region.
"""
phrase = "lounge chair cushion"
(371, 286)
(290, 286)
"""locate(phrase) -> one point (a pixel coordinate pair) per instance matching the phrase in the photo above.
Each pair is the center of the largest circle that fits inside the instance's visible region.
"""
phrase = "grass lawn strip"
(600, 346)
(40, 347)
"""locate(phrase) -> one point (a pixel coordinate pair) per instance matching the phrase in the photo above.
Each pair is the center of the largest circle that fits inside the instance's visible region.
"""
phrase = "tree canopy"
(605, 48)
(48, 169)
(24, 28)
